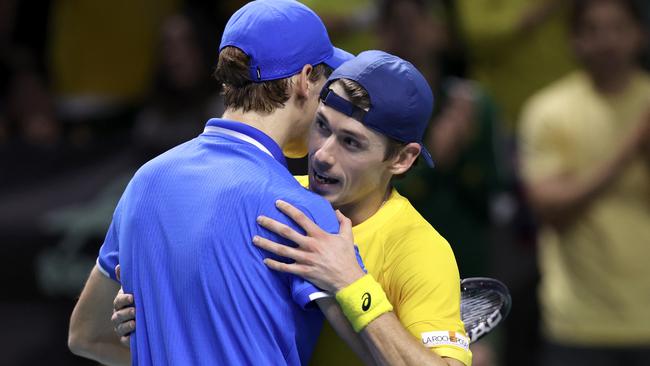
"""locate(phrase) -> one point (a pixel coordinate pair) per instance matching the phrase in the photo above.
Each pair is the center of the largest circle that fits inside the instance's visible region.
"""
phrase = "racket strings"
(478, 304)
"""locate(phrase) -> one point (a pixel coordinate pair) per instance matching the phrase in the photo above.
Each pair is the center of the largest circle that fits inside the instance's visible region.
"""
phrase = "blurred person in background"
(182, 94)
(457, 197)
(515, 47)
(101, 61)
(585, 158)
(35, 146)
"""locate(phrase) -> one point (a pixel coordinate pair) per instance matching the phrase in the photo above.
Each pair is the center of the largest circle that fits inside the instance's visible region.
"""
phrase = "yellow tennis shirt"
(417, 269)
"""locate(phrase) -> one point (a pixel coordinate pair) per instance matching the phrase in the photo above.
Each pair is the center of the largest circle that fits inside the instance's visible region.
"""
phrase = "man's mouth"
(322, 179)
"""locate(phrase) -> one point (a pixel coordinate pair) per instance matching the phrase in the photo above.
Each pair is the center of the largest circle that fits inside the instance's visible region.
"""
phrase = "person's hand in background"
(452, 130)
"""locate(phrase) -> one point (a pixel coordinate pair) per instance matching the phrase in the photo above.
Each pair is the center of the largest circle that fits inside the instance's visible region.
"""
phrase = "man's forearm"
(391, 344)
(91, 332)
(106, 353)
(340, 324)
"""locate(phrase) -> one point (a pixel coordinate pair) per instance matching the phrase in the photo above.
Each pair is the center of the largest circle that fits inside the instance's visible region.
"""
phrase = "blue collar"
(249, 134)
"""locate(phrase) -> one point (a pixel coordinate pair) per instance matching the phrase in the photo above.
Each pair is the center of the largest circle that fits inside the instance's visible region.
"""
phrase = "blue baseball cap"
(280, 37)
(401, 101)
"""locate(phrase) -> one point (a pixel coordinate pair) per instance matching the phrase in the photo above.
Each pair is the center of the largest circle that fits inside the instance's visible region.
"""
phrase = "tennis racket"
(484, 304)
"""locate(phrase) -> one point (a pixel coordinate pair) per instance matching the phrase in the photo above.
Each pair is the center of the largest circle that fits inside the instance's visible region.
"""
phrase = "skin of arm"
(328, 261)
(343, 329)
(391, 344)
(91, 333)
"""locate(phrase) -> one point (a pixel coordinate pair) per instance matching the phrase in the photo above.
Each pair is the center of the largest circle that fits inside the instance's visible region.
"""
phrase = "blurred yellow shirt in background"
(105, 49)
(596, 273)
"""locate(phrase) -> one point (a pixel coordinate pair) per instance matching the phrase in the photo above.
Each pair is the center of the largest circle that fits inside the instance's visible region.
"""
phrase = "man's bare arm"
(343, 329)
(91, 333)
(391, 344)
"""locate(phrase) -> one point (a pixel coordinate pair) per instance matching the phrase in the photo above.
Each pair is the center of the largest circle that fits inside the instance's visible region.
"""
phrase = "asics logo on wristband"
(367, 301)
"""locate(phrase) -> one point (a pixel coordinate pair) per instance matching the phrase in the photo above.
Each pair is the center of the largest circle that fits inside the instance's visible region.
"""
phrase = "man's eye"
(351, 142)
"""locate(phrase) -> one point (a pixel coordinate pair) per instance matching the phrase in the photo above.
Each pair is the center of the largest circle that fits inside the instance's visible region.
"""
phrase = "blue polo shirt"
(182, 234)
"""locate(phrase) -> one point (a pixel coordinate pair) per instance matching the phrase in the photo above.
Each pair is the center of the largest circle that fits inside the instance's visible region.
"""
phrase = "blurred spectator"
(184, 95)
(102, 54)
(585, 157)
(516, 47)
(33, 143)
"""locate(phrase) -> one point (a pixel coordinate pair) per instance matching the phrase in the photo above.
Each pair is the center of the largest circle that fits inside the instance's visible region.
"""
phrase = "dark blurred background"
(90, 90)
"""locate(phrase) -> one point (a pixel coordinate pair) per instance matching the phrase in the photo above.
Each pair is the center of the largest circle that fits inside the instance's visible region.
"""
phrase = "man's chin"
(329, 196)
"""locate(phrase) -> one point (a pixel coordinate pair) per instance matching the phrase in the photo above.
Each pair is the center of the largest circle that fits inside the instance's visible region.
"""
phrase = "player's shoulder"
(166, 160)
(406, 216)
(410, 230)
(552, 107)
(309, 199)
(414, 247)
(314, 206)
(157, 169)
(559, 93)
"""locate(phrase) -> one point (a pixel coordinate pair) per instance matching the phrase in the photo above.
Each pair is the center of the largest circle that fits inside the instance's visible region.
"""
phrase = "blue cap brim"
(427, 156)
(339, 57)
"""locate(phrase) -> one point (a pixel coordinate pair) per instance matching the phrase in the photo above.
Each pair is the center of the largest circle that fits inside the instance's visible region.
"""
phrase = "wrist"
(353, 277)
(363, 301)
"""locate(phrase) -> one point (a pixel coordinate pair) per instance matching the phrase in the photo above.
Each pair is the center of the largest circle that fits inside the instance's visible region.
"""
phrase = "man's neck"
(276, 124)
(360, 211)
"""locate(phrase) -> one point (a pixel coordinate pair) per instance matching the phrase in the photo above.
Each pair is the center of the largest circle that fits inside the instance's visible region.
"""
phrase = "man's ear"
(403, 161)
(302, 84)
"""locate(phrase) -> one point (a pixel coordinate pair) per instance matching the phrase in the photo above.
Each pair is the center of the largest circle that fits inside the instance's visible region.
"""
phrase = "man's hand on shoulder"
(327, 260)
